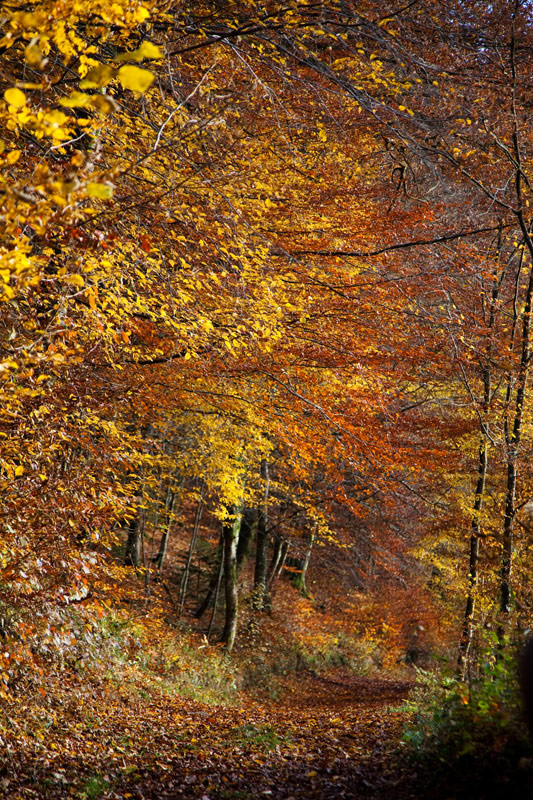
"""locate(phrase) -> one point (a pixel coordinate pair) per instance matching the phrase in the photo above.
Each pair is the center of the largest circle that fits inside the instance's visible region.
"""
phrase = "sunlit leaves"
(103, 191)
(135, 78)
(15, 97)
(147, 50)
(98, 77)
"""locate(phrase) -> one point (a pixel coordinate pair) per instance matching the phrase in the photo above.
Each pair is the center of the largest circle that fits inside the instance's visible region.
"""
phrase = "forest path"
(328, 737)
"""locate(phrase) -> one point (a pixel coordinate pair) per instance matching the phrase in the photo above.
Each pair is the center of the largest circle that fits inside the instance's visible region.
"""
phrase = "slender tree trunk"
(514, 434)
(216, 593)
(466, 634)
(231, 538)
(513, 450)
(171, 501)
(190, 555)
(246, 534)
(260, 574)
(284, 551)
(132, 555)
(163, 543)
(208, 599)
(300, 566)
(274, 561)
(513, 437)
(479, 496)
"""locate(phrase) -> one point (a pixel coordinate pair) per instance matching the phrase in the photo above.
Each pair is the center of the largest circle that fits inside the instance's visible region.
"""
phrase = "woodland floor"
(327, 737)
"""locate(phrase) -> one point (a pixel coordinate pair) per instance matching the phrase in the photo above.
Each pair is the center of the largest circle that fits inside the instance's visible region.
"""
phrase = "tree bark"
(190, 554)
(479, 496)
(468, 619)
(132, 556)
(219, 565)
(230, 533)
(284, 550)
(514, 434)
(513, 450)
(260, 573)
(300, 566)
(216, 592)
(246, 535)
(274, 561)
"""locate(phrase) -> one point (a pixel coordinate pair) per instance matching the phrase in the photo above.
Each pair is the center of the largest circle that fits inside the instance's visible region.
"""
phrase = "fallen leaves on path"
(327, 738)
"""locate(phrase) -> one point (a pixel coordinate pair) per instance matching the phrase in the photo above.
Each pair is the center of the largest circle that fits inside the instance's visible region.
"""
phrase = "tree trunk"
(231, 537)
(132, 555)
(163, 543)
(274, 561)
(190, 554)
(466, 634)
(300, 566)
(278, 567)
(260, 573)
(208, 599)
(479, 497)
(173, 495)
(246, 535)
(216, 593)
(513, 438)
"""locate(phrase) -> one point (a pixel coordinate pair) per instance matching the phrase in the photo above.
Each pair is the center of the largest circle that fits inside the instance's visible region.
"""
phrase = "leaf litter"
(327, 737)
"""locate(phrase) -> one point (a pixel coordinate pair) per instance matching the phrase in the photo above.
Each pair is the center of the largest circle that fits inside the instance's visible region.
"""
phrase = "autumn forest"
(266, 436)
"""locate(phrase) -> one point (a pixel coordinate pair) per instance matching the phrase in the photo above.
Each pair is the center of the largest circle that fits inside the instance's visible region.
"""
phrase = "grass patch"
(94, 788)
(263, 738)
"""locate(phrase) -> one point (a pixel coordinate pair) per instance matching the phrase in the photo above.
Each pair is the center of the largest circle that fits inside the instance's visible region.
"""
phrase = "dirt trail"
(328, 738)
(344, 728)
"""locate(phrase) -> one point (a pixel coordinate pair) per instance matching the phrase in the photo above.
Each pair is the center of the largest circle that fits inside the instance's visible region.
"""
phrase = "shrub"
(470, 740)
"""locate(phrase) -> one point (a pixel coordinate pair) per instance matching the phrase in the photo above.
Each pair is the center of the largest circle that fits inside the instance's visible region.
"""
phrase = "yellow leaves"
(33, 55)
(98, 102)
(27, 19)
(142, 14)
(98, 77)
(13, 157)
(101, 191)
(146, 50)
(75, 280)
(12, 471)
(8, 363)
(103, 104)
(76, 100)
(135, 78)
(50, 123)
(91, 297)
(14, 97)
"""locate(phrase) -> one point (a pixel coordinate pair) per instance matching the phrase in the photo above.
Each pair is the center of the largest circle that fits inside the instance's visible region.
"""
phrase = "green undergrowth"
(172, 660)
(469, 740)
